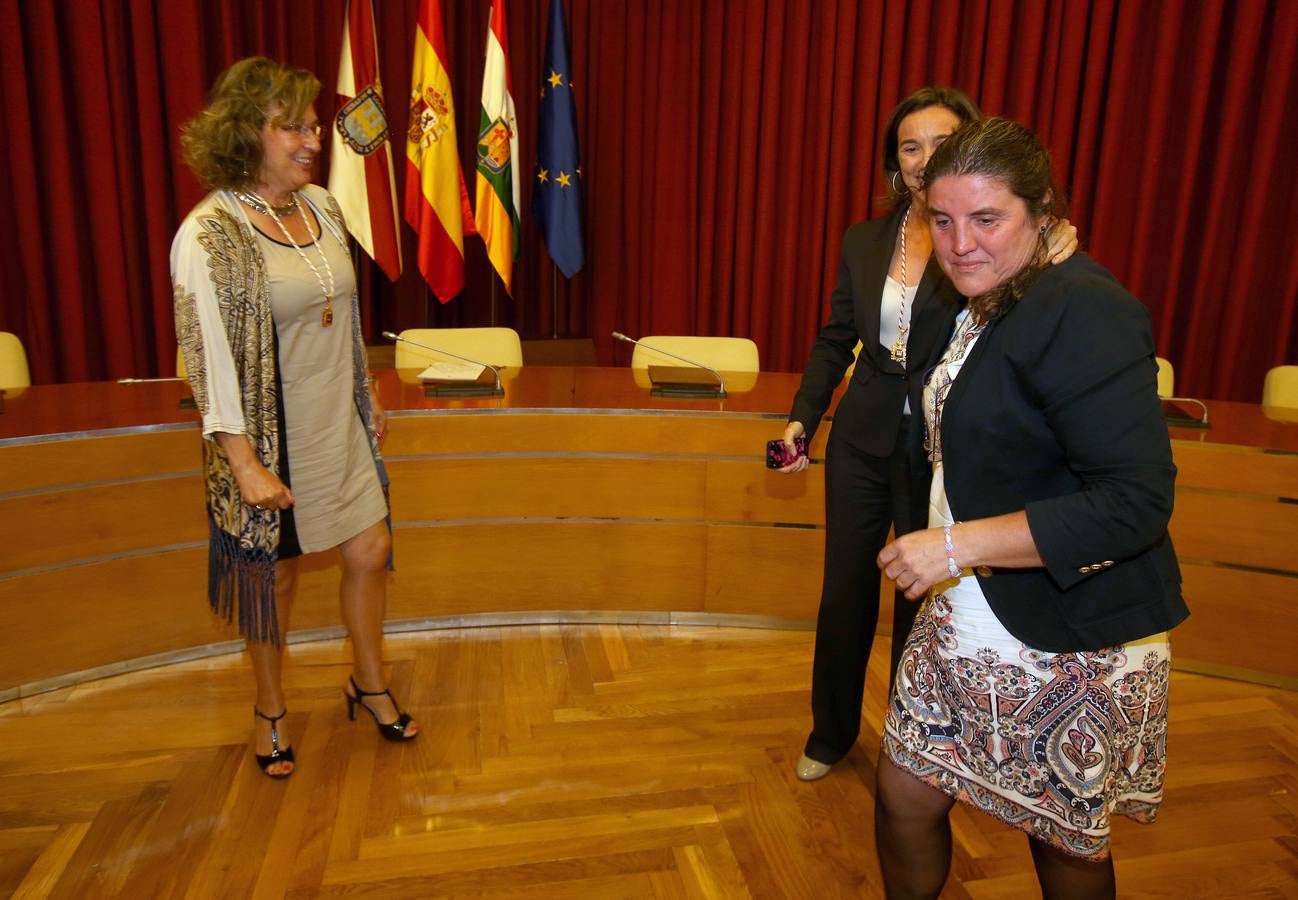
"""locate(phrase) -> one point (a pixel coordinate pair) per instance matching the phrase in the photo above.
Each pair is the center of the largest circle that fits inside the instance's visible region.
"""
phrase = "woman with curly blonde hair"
(268, 322)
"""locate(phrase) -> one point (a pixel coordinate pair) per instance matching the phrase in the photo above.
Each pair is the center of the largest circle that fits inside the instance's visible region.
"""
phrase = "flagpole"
(554, 301)
(493, 298)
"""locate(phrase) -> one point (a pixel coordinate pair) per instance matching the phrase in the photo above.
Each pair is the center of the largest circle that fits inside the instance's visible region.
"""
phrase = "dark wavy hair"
(951, 98)
(222, 144)
(1004, 150)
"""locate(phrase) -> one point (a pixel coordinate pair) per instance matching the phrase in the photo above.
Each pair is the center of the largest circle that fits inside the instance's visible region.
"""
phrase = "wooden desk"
(575, 496)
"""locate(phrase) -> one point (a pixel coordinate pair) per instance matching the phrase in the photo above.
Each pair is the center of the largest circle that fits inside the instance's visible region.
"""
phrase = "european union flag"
(556, 195)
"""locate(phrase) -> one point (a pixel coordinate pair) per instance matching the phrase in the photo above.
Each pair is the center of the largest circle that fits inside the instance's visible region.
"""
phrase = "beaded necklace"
(262, 206)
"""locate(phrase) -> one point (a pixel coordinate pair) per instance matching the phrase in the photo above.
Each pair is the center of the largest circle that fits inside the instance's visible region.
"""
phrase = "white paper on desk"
(451, 371)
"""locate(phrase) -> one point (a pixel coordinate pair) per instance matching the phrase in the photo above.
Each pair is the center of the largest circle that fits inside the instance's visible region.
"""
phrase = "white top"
(890, 306)
(890, 309)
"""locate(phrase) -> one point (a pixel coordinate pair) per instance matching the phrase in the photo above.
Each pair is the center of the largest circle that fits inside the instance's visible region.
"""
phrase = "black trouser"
(864, 495)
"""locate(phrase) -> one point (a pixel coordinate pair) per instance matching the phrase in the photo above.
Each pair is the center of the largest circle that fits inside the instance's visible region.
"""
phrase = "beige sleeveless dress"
(330, 467)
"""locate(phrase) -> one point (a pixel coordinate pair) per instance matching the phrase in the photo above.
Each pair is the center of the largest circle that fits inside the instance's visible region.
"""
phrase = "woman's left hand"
(1061, 241)
(377, 414)
(916, 561)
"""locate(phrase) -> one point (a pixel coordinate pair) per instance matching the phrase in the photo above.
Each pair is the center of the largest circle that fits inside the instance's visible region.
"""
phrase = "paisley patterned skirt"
(1050, 743)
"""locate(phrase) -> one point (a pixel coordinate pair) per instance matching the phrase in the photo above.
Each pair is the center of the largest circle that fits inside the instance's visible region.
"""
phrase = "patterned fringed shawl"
(227, 335)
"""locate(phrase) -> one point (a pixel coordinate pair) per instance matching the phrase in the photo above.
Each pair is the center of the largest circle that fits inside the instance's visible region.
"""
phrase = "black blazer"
(1056, 412)
(870, 412)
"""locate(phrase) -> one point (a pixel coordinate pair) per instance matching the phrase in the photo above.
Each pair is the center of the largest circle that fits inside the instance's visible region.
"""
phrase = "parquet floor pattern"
(592, 762)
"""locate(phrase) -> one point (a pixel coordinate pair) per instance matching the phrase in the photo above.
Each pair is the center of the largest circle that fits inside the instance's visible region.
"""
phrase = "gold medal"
(898, 349)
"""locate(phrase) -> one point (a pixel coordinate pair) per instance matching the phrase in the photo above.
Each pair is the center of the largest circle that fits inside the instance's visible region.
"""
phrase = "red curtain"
(726, 146)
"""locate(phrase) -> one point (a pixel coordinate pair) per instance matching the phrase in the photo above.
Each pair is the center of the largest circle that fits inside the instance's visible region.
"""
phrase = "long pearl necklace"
(327, 315)
(898, 349)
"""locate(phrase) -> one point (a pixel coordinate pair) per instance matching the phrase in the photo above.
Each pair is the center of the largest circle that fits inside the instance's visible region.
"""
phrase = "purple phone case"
(778, 455)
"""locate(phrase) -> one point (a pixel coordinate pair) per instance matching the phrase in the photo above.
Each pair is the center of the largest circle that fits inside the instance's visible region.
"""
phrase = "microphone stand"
(678, 389)
(185, 402)
(1178, 419)
(455, 388)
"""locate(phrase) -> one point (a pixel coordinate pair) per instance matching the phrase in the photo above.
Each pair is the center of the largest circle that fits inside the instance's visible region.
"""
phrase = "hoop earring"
(893, 179)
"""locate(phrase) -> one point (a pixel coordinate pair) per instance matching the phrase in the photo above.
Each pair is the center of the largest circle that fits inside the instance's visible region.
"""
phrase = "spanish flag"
(497, 193)
(437, 203)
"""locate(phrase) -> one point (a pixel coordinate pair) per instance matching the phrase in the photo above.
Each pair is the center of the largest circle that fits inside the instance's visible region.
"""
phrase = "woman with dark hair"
(1034, 683)
(893, 301)
(268, 322)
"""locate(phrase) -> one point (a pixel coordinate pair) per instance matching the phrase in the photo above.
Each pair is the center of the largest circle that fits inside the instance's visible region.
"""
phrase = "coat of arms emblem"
(430, 117)
(493, 146)
(361, 123)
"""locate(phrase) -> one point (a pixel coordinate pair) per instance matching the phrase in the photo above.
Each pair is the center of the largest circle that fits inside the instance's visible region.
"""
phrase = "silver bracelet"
(950, 552)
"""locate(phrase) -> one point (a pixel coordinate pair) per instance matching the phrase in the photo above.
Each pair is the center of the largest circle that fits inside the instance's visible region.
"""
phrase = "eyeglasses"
(301, 129)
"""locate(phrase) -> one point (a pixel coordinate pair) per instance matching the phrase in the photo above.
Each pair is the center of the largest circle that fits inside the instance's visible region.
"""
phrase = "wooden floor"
(579, 761)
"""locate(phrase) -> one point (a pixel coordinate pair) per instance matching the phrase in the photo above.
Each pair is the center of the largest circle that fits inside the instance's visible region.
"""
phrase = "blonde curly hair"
(222, 144)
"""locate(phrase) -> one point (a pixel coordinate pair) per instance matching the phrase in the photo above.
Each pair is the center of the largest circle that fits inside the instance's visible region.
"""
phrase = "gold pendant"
(327, 317)
(898, 349)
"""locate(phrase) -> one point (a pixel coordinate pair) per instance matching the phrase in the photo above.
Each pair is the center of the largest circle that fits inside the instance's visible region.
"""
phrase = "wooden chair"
(14, 372)
(498, 346)
(856, 354)
(725, 354)
(1166, 377)
(1281, 387)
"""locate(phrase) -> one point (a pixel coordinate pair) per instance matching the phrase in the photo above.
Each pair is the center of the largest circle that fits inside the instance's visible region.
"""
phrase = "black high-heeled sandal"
(276, 754)
(393, 731)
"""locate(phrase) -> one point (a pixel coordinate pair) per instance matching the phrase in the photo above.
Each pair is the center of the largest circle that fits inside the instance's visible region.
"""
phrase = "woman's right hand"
(261, 488)
(258, 486)
(793, 431)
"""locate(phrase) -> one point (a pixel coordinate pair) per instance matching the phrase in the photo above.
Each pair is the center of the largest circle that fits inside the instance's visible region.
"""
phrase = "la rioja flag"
(497, 191)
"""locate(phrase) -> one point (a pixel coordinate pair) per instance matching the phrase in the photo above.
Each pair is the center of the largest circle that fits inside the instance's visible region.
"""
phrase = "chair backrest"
(1281, 387)
(181, 371)
(1166, 378)
(856, 354)
(498, 346)
(13, 362)
(725, 354)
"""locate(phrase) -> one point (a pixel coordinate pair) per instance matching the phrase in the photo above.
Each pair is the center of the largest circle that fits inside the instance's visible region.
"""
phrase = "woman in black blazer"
(1034, 683)
(893, 299)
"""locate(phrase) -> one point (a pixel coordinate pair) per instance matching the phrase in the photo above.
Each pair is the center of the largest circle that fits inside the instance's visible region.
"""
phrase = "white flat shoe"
(810, 769)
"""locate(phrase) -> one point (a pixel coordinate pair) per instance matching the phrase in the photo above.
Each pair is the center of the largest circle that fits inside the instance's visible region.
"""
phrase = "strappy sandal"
(393, 731)
(276, 754)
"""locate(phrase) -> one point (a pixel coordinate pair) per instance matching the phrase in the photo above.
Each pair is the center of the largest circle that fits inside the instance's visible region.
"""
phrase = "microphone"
(477, 362)
(185, 402)
(721, 382)
(1199, 403)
